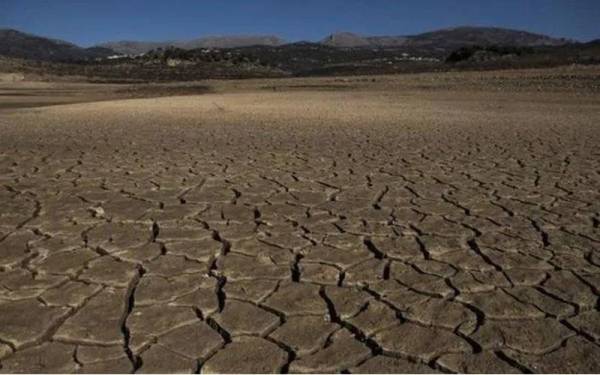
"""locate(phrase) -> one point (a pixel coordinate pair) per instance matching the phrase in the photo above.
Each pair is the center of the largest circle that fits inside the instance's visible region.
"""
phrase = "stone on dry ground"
(326, 232)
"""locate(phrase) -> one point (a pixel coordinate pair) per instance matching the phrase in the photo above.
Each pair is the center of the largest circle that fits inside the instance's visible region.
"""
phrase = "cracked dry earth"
(302, 232)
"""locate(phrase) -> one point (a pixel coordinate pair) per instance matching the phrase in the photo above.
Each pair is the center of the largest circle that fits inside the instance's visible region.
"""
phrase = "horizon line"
(285, 40)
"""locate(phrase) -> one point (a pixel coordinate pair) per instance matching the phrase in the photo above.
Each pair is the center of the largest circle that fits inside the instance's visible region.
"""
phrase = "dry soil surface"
(31, 94)
(372, 230)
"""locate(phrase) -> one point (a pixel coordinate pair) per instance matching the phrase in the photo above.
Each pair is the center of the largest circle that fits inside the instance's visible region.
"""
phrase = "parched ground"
(428, 227)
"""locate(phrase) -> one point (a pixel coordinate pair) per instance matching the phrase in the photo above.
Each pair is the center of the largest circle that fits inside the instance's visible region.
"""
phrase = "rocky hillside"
(437, 44)
(136, 48)
(17, 44)
(446, 39)
(339, 54)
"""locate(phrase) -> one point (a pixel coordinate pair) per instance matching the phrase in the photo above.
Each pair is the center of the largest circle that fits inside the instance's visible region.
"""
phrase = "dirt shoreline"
(577, 80)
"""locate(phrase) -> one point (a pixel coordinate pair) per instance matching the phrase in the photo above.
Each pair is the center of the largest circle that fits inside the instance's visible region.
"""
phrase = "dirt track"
(303, 231)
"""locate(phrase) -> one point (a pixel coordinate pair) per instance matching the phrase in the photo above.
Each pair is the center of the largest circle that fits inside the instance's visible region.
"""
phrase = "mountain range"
(14, 43)
(446, 38)
(128, 47)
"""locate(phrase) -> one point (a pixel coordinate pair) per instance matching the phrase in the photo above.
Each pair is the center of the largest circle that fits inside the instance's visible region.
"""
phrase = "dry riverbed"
(432, 222)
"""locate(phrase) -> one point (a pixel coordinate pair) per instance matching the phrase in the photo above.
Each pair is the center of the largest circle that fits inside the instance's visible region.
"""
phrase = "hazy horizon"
(88, 23)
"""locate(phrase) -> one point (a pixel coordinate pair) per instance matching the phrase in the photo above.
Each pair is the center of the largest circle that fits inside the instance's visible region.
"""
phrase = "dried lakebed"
(302, 232)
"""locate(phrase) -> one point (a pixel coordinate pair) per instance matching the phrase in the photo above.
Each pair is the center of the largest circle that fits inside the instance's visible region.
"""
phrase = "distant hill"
(446, 39)
(136, 48)
(351, 40)
(131, 47)
(439, 41)
(467, 35)
(17, 44)
(338, 48)
(233, 41)
(303, 59)
(346, 40)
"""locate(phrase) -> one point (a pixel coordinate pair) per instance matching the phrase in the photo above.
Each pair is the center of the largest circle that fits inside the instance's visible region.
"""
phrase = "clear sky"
(86, 22)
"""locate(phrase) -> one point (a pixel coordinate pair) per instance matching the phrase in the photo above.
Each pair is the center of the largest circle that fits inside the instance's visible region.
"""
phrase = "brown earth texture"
(423, 223)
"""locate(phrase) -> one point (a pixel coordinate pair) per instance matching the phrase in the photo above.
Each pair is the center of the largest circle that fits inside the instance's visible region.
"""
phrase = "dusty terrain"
(28, 94)
(419, 223)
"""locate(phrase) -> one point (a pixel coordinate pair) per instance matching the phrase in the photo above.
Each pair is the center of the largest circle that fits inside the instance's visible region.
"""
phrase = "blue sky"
(86, 22)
